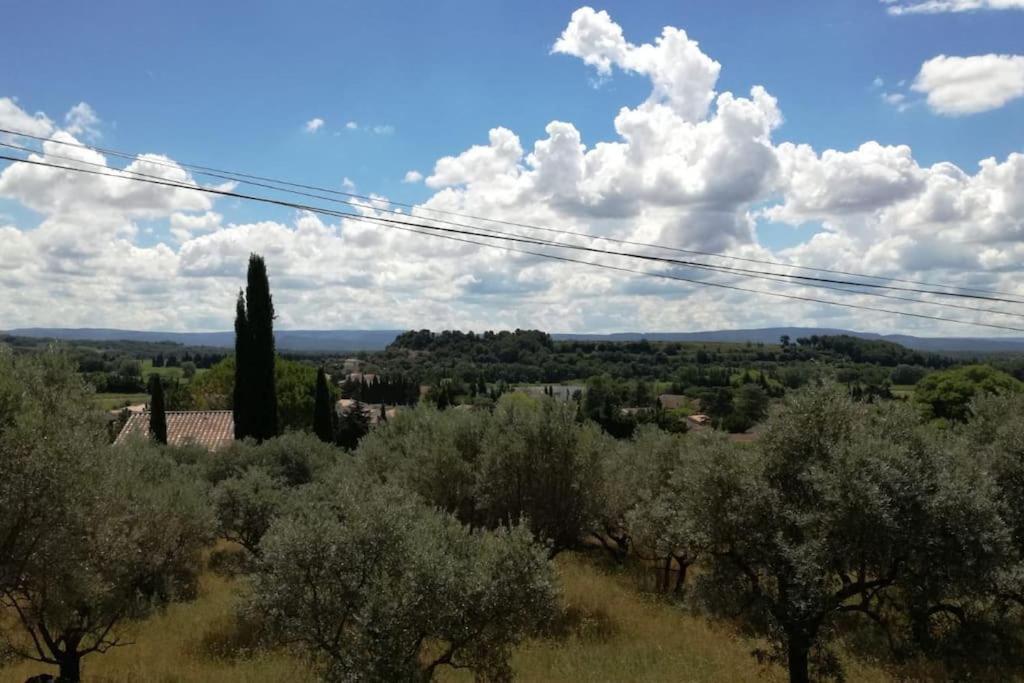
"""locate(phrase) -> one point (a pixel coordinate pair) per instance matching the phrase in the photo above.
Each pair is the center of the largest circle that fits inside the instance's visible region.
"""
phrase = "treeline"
(386, 389)
(531, 356)
(199, 360)
(878, 351)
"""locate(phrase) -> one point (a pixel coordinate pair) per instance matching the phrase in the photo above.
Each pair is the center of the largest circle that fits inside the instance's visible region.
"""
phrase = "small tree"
(845, 511)
(246, 505)
(323, 409)
(947, 394)
(295, 458)
(132, 543)
(45, 439)
(431, 453)
(538, 463)
(643, 483)
(157, 410)
(376, 586)
(353, 426)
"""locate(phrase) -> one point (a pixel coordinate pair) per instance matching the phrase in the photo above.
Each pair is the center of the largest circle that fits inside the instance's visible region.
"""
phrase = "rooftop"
(211, 429)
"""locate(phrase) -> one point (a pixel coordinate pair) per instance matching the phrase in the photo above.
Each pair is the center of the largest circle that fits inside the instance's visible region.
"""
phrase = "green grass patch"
(115, 401)
(172, 374)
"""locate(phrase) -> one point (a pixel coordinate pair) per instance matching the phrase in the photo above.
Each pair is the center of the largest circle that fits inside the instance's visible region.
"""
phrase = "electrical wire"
(251, 179)
(759, 275)
(417, 228)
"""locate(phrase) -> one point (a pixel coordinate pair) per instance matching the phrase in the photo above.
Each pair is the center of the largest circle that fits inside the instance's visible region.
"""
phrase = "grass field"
(170, 374)
(611, 632)
(114, 401)
(188, 642)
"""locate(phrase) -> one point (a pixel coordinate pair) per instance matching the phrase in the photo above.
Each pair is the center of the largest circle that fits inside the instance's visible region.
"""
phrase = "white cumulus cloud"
(682, 75)
(943, 6)
(14, 118)
(313, 125)
(956, 86)
(81, 119)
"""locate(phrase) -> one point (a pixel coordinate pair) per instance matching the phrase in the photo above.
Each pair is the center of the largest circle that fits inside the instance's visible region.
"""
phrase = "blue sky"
(233, 84)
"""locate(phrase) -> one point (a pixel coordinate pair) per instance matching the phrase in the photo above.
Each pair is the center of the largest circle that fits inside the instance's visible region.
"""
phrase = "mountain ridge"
(375, 340)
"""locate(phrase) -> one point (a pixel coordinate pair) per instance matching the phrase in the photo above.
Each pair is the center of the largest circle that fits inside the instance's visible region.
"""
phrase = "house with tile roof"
(209, 429)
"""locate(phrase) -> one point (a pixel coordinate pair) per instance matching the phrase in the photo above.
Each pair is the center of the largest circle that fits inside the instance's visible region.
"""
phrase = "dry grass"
(629, 636)
(611, 632)
(191, 642)
(614, 633)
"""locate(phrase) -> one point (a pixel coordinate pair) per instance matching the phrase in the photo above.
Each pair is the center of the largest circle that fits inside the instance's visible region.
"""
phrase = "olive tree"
(128, 538)
(295, 458)
(659, 527)
(432, 453)
(374, 585)
(996, 434)
(45, 435)
(634, 470)
(246, 504)
(528, 459)
(846, 511)
(537, 462)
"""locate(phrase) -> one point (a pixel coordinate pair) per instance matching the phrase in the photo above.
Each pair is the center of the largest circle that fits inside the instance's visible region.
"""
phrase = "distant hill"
(375, 340)
(770, 335)
(287, 340)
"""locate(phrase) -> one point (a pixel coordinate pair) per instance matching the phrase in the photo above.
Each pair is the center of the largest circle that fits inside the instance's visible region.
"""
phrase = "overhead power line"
(819, 283)
(282, 185)
(419, 228)
(789, 279)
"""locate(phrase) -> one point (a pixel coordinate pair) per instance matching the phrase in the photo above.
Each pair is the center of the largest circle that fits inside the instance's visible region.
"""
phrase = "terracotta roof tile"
(211, 429)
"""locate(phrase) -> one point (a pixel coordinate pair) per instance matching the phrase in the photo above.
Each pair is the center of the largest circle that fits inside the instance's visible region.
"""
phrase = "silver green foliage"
(375, 585)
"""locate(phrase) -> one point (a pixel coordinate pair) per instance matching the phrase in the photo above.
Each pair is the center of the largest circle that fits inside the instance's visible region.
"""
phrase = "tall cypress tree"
(157, 411)
(323, 411)
(260, 311)
(255, 395)
(243, 374)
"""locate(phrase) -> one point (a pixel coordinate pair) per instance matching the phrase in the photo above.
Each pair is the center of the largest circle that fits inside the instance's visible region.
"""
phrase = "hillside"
(287, 340)
(337, 341)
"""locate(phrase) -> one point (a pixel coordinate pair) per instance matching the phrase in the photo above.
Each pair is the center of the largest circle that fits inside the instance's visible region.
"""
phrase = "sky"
(882, 137)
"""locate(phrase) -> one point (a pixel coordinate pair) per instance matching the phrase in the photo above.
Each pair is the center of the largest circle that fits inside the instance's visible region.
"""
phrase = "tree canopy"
(947, 394)
(376, 586)
(93, 535)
